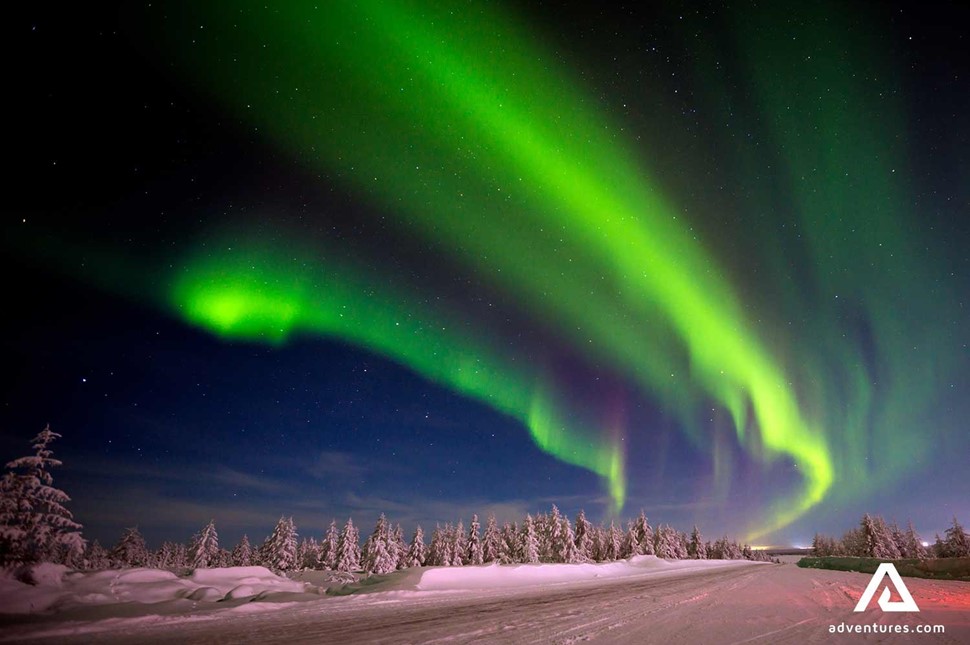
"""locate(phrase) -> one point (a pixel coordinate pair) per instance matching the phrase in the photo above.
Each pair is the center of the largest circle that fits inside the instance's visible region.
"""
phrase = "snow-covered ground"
(644, 600)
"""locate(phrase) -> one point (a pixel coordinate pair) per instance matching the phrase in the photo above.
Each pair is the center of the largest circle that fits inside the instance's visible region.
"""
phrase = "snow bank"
(527, 575)
(61, 589)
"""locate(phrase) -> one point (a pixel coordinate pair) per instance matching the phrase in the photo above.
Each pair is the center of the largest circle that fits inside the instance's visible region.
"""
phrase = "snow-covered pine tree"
(854, 543)
(473, 552)
(552, 534)
(681, 544)
(566, 549)
(630, 546)
(598, 549)
(613, 543)
(348, 548)
(242, 553)
(492, 541)
(731, 549)
(96, 557)
(458, 545)
(913, 543)
(130, 551)
(308, 553)
(447, 545)
(529, 541)
(435, 556)
(180, 557)
(877, 541)
(205, 547)
(662, 543)
(898, 538)
(163, 557)
(584, 538)
(695, 548)
(35, 525)
(416, 551)
(400, 547)
(278, 552)
(939, 548)
(956, 541)
(509, 545)
(377, 556)
(328, 548)
(823, 546)
(644, 534)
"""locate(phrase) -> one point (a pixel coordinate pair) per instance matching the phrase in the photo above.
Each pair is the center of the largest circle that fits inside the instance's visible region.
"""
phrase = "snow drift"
(59, 589)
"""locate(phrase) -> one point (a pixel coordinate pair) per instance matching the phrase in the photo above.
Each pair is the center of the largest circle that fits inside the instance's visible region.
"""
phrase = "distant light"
(925, 543)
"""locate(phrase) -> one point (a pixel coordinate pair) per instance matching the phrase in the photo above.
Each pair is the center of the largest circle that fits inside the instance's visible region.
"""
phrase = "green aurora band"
(269, 292)
(468, 134)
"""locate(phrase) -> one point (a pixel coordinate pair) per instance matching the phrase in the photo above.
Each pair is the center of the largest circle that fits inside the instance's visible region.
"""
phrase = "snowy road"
(737, 603)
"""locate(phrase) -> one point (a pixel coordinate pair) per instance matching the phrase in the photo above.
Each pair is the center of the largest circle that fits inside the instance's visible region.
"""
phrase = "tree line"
(36, 526)
(542, 538)
(874, 538)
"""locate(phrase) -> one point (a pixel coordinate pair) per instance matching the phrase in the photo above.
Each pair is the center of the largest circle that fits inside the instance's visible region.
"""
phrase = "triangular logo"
(887, 569)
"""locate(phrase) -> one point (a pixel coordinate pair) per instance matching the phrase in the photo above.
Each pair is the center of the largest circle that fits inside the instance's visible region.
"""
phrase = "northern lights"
(520, 125)
(260, 294)
(713, 257)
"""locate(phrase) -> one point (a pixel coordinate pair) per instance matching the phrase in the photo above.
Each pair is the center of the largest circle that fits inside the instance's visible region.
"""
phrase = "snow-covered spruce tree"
(938, 550)
(613, 543)
(823, 546)
(400, 547)
(328, 548)
(416, 551)
(458, 545)
(308, 553)
(205, 547)
(492, 541)
(509, 546)
(96, 557)
(566, 549)
(695, 547)
(877, 541)
(853, 543)
(584, 538)
(630, 546)
(599, 539)
(529, 541)
(435, 556)
(644, 535)
(447, 545)
(913, 543)
(278, 552)
(35, 525)
(473, 552)
(682, 542)
(377, 556)
(348, 548)
(130, 551)
(898, 538)
(242, 553)
(552, 536)
(956, 541)
(663, 543)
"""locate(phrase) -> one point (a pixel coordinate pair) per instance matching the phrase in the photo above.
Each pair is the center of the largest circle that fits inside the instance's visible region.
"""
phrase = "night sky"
(433, 259)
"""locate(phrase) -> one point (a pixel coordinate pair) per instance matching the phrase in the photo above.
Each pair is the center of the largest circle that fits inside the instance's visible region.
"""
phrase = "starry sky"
(432, 259)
